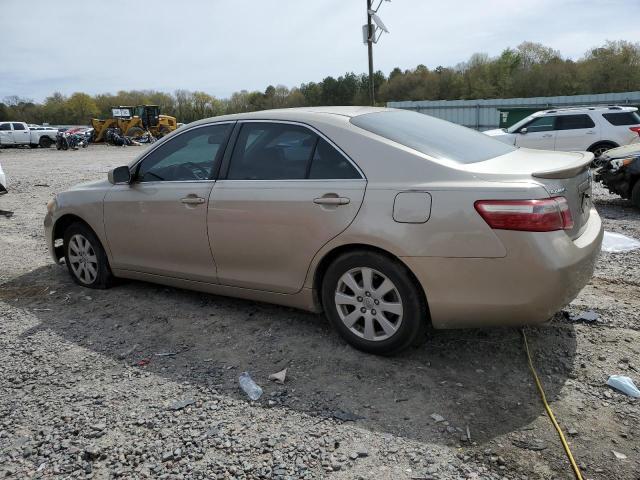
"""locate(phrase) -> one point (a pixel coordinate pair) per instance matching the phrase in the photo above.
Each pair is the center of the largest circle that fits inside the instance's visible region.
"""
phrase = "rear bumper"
(541, 274)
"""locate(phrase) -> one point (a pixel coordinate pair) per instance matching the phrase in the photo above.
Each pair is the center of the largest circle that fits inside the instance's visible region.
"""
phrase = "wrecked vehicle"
(73, 138)
(619, 171)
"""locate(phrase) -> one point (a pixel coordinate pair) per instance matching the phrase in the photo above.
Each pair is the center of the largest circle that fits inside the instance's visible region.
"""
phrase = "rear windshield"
(622, 118)
(432, 136)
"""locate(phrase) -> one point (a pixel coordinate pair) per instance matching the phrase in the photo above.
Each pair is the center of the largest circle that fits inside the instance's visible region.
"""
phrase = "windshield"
(432, 136)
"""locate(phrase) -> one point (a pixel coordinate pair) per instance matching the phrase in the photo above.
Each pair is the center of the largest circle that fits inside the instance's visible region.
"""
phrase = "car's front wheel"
(85, 258)
(374, 303)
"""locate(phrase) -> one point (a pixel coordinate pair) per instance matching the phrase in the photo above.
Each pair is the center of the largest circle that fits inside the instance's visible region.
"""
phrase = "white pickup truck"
(18, 133)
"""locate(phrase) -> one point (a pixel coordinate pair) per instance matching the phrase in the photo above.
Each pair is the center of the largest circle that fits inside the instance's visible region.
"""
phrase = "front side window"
(574, 122)
(272, 151)
(622, 118)
(190, 156)
(5, 126)
(18, 126)
(541, 124)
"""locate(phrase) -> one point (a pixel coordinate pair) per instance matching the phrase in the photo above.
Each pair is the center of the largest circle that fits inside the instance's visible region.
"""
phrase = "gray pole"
(370, 48)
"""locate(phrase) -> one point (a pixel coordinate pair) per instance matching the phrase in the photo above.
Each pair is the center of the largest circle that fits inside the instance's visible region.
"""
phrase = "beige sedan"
(386, 220)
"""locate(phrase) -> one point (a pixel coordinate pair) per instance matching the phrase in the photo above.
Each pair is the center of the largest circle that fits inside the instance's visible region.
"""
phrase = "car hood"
(94, 185)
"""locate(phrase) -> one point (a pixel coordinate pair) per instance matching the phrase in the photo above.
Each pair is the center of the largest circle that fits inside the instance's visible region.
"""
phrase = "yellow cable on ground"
(574, 465)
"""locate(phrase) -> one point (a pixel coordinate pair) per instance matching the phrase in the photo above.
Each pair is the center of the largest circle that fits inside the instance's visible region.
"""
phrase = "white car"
(593, 129)
(3, 182)
(13, 134)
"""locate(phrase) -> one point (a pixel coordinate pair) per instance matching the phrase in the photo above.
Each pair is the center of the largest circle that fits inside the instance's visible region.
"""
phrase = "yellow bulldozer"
(134, 121)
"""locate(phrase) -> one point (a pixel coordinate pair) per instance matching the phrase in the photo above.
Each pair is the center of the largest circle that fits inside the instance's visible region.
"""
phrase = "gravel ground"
(84, 393)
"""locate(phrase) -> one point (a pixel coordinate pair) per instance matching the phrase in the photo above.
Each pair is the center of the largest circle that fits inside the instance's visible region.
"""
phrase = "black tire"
(414, 320)
(134, 132)
(103, 277)
(635, 193)
(45, 142)
(599, 148)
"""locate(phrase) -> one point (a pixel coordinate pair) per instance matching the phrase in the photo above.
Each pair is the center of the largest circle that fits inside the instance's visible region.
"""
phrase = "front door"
(158, 223)
(575, 132)
(284, 192)
(6, 134)
(21, 136)
(538, 133)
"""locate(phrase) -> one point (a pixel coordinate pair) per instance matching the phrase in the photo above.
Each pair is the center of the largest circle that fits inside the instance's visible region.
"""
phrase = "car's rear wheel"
(45, 142)
(599, 148)
(374, 303)
(85, 257)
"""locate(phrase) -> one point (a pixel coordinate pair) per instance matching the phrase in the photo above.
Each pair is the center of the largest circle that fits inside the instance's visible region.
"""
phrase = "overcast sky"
(221, 46)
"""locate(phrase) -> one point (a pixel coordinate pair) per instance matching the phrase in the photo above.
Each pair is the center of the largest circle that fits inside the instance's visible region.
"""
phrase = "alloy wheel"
(369, 304)
(83, 259)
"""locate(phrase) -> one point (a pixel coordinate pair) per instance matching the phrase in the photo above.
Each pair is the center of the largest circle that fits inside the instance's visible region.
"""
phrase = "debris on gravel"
(141, 381)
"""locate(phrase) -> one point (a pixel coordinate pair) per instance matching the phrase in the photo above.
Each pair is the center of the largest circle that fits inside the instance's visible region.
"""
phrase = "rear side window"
(574, 122)
(18, 126)
(272, 151)
(432, 136)
(5, 126)
(622, 118)
(328, 163)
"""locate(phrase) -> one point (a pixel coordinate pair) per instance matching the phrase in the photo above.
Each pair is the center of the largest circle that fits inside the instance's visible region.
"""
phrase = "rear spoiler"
(570, 170)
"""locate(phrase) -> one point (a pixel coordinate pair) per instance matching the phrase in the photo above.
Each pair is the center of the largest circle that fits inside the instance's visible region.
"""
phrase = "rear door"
(6, 134)
(284, 191)
(575, 132)
(538, 133)
(21, 134)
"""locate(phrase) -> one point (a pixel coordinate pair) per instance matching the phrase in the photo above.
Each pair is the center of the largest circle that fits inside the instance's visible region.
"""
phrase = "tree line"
(529, 70)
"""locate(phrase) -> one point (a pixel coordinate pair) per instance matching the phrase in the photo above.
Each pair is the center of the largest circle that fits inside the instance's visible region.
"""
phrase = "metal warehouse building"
(498, 112)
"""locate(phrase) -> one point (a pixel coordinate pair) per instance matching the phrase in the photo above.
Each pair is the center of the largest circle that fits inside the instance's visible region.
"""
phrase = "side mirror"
(523, 130)
(120, 175)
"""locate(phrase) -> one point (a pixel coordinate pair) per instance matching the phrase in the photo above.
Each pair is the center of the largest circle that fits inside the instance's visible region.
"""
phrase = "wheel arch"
(602, 142)
(61, 225)
(331, 255)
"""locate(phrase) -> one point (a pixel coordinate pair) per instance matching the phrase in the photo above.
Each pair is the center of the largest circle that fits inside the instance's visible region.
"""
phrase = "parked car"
(387, 220)
(3, 182)
(592, 129)
(619, 171)
(33, 126)
(14, 134)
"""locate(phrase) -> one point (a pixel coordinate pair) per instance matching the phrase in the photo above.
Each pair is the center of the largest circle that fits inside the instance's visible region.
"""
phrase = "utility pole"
(372, 97)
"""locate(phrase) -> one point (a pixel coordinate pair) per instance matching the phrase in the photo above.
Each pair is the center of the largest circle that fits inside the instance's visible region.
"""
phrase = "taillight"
(544, 215)
(635, 129)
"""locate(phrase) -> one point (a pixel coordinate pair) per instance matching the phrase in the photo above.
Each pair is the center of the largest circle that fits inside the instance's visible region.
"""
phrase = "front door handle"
(332, 200)
(548, 135)
(192, 200)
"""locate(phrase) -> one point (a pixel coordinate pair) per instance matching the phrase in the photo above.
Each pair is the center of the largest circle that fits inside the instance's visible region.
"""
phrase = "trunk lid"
(562, 174)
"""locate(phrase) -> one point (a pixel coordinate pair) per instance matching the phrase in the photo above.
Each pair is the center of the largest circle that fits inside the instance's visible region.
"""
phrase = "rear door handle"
(547, 135)
(192, 200)
(590, 132)
(332, 200)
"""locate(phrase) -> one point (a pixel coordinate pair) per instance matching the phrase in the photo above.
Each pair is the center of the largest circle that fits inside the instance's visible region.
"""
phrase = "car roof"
(587, 108)
(299, 113)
